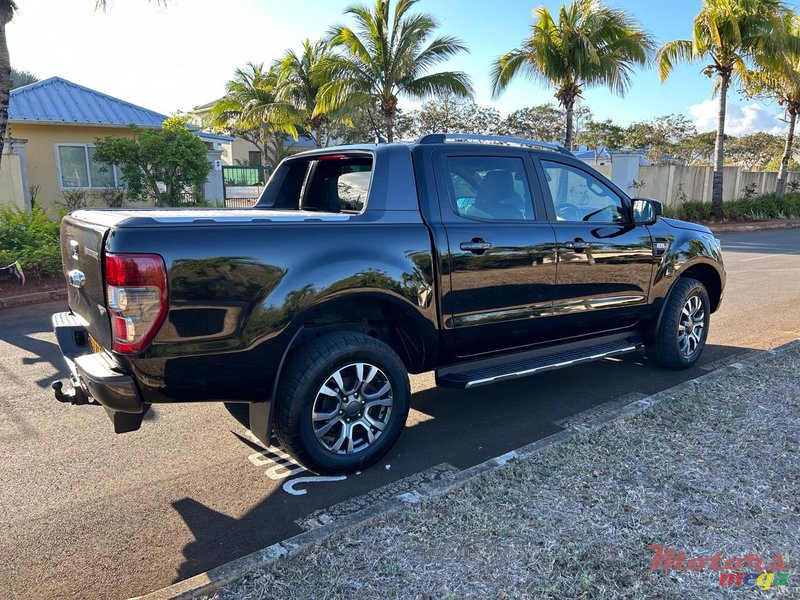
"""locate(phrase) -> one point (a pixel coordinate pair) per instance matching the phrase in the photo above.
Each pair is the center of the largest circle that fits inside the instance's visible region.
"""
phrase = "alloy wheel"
(352, 408)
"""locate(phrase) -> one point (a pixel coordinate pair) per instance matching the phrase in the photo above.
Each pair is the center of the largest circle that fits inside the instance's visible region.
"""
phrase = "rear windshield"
(336, 183)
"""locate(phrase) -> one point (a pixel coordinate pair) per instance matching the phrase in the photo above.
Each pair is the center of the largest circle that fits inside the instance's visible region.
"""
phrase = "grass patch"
(714, 468)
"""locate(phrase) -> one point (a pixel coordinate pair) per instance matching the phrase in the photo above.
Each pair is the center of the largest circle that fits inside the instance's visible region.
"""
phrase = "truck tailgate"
(82, 243)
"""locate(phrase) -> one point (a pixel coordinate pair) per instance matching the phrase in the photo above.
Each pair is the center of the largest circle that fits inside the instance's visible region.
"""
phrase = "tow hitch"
(71, 393)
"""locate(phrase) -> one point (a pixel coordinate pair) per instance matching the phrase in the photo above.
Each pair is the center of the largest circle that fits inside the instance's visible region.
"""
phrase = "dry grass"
(714, 468)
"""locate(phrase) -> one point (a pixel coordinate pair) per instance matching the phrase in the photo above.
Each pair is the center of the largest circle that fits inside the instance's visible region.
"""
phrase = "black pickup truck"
(481, 258)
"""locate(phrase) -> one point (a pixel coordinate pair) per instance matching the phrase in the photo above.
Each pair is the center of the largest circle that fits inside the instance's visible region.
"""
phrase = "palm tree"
(299, 82)
(777, 77)
(387, 55)
(251, 110)
(727, 34)
(7, 9)
(591, 44)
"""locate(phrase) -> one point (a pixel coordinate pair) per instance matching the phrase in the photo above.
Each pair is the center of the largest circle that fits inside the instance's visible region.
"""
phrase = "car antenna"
(379, 139)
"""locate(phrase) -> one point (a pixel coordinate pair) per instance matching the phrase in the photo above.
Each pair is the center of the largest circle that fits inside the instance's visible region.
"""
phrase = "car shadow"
(447, 426)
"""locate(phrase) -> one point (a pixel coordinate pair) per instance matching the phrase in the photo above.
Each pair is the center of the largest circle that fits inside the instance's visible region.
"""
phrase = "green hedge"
(745, 209)
(32, 239)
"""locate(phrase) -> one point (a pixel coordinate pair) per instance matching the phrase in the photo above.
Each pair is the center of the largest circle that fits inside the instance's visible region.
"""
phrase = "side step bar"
(483, 372)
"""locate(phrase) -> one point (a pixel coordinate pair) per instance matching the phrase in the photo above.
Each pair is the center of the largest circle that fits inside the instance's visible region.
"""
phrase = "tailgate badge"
(73, 249)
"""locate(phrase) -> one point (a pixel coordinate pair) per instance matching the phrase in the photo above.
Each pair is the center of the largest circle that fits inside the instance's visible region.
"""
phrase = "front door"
(501, 262)
(605, 260)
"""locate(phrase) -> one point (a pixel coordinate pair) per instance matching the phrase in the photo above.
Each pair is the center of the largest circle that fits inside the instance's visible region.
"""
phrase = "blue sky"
(174, 58)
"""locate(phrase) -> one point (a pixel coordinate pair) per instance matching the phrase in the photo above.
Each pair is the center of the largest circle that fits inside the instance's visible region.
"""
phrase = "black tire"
(665, 348)
(301, 381)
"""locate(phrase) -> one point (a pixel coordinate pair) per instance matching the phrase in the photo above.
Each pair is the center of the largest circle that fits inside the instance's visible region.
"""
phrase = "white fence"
(675, 184)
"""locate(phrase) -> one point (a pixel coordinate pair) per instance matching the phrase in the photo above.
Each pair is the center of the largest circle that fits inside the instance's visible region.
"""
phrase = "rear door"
(605, 260)
(501, 262)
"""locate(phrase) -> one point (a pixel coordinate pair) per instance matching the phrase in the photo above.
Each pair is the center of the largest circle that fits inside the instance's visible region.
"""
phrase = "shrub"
(31, 238)
(74, 199)
(111, 197)
(756, 208)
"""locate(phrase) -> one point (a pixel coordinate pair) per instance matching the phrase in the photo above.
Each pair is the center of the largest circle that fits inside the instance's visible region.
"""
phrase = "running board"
(483, 372)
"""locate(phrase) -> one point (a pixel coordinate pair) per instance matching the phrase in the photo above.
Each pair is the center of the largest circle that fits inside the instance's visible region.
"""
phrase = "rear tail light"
(136, 295)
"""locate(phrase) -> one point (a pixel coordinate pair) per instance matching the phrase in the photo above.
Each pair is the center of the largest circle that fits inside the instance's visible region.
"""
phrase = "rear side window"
(493, 188)
(335, 183)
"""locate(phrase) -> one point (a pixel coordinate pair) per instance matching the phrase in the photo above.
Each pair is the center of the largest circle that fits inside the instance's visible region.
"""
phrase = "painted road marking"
(288, 487)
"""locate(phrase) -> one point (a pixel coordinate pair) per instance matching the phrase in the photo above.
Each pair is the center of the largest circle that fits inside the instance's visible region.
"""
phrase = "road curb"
(211, 581)
(35, 298)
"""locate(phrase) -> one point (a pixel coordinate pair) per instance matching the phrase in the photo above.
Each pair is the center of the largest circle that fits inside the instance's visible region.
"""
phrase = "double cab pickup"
(479, 258)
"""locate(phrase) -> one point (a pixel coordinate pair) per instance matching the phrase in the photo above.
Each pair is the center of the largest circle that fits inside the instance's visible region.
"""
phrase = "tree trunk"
(5, 83)
(783, 172)
(719, 148)
(318, 136)
(570, 108)
(388, 122)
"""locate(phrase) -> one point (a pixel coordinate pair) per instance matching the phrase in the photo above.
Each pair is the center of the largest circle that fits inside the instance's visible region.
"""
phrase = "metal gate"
(242, 185)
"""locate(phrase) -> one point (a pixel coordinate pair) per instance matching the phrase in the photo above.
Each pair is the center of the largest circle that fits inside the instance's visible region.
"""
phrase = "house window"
(78, 169)
(254, 158)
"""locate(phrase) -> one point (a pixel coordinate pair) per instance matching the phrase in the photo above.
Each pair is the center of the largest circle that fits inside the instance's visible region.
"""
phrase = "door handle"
(476, 246)
(577, 245)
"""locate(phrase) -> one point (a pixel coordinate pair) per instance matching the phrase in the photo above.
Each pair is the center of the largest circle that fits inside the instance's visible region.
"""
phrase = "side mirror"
(646, 211)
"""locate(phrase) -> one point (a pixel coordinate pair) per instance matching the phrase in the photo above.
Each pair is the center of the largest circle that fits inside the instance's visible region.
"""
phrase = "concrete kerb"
(213, 580)
(35, 298)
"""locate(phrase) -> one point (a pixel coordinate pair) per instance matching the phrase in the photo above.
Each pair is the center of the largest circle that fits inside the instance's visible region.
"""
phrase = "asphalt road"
(87, 513)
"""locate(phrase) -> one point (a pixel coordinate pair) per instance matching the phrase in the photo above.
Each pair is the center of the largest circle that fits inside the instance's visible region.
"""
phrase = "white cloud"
(739, 120)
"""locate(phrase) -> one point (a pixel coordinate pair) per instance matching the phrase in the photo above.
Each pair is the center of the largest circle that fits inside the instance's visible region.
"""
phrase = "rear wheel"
(681, 334)
(342, 402)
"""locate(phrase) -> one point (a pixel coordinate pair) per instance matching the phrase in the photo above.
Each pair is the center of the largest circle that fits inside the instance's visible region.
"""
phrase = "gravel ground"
(713, 468)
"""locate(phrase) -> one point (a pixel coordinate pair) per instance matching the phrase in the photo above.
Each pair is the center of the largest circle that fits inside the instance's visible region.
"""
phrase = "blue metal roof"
(57, 100)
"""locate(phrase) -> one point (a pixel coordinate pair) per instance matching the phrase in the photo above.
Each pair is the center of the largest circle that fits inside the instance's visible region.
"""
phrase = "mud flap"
(260, 425)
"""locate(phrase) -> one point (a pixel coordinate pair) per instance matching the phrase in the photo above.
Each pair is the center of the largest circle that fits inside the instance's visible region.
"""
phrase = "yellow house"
(54, 124)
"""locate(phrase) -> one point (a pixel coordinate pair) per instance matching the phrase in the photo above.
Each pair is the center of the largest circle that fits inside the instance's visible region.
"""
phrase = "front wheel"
(342, 402)
(681, 334)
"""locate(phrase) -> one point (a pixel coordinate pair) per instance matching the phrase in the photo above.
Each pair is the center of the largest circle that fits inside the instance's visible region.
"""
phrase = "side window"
(491, 188)
(577, 196)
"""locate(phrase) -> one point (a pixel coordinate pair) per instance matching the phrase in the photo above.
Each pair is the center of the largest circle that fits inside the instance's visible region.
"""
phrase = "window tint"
(490, 188)
(577, 196)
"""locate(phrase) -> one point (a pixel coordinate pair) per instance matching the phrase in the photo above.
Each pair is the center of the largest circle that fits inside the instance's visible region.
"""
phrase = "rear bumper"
(95, 377)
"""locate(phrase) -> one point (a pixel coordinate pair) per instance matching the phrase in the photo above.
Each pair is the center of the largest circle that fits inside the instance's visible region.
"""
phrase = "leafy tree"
(601, 135)
(659, 136)
(777, 162)
(251, 110)
(387, 55)
(778, 78)
(591, 44)
(726, 34)
(158, 163)
(753, 151)
(697, 148)
(545, 122)
(20, 78)
(453, 114)
(298, 82)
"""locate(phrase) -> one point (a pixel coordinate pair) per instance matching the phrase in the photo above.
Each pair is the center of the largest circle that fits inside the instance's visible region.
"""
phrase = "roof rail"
(501, 140)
